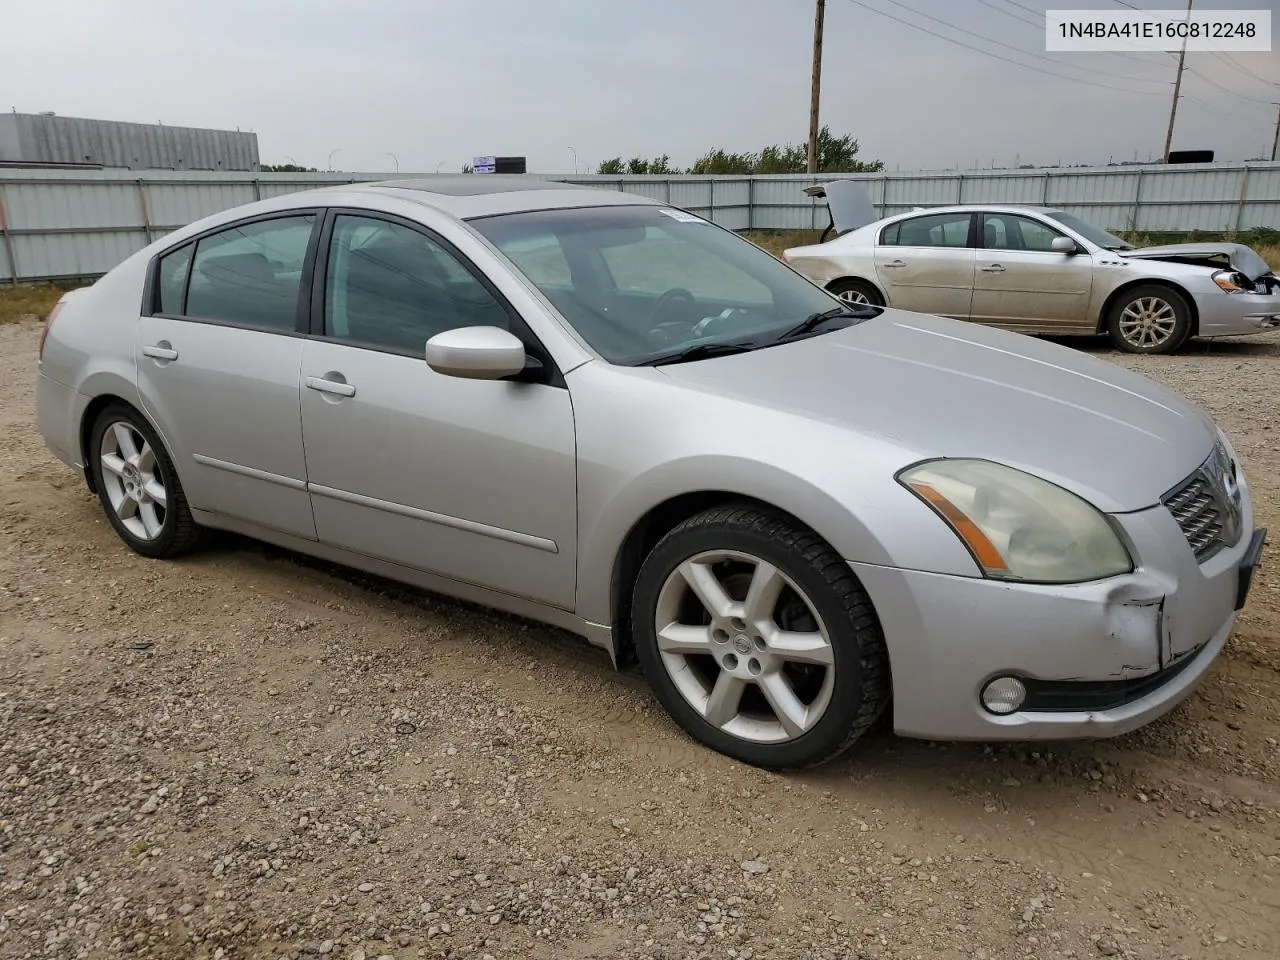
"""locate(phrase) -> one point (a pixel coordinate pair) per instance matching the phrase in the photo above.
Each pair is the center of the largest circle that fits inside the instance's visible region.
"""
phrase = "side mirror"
(476, 353)
(1063, 245)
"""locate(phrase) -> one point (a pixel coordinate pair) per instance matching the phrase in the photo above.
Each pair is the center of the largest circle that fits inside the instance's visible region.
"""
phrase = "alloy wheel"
(744, 646)
(1148, 322)
(853, 295)
(132, 480)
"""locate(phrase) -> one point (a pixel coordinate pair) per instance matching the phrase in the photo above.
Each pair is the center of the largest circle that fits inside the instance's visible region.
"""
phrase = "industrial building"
(45, 139)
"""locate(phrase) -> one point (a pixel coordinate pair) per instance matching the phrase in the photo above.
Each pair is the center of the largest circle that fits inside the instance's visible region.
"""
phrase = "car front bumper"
(1229, 314)
(1098, 659)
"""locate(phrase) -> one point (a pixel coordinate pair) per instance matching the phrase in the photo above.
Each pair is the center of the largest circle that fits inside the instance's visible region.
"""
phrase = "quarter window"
(937, 230)
(250, 274)
(392, 287)
(174, 268)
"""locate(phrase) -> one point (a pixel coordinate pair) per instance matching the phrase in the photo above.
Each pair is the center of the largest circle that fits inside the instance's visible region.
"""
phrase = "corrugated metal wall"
(63, 223)
(39, 138)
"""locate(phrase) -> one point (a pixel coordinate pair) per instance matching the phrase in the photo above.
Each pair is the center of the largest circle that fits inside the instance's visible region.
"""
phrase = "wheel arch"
(1115, 295)
(867, 280)
(644, 535)
(91, 413)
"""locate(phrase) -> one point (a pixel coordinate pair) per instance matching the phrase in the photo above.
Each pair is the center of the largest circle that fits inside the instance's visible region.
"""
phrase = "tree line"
(835, 155)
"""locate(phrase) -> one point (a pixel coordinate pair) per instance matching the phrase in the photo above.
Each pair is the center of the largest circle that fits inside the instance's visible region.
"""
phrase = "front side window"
(1006, 231)
(251, 274)
(391, 287)
(936, 230)
(642, 284)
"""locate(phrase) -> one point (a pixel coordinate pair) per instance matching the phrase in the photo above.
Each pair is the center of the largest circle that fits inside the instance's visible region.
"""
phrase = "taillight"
(44, 331)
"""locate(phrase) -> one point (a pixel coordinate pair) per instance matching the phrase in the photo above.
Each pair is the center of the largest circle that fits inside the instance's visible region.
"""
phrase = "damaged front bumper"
(1231, 314)
(1097, 659)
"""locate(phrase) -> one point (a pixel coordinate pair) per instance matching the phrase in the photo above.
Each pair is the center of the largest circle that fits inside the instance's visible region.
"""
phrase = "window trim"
(971, 237)
(151, 285)
(313, 329)
(982, 232)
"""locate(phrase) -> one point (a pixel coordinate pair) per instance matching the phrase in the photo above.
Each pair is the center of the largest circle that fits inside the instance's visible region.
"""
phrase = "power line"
(1025, 53)
(1010, 13)
(1218, 110)
(1233, 93)
(1232, 62)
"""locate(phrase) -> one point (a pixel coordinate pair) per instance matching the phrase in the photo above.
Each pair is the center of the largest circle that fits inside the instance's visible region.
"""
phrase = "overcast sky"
(440, 81)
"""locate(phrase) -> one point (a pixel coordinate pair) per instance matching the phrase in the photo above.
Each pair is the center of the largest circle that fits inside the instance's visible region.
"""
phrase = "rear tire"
(138, 486)
(758, 639)
(1151, 318)
(857, 292)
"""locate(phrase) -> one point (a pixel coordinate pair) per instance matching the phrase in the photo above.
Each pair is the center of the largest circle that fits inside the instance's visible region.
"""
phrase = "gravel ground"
(249, 754)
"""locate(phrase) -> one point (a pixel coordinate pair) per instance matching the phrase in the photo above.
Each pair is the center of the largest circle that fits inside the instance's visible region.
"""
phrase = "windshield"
(1091, 233)
(645, 283)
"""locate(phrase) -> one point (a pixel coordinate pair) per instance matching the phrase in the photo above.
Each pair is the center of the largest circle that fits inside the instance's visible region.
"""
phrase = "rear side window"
(938, 230)
(889, 236)
(174, 268)
(251, 274)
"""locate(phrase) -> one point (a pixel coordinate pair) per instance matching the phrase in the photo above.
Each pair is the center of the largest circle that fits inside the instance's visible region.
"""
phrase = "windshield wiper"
(815, 320)
(699, 351)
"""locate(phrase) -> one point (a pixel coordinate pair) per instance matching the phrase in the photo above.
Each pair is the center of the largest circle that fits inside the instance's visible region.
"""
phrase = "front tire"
(1149, 319)
(138, 486)
(758, 639)
(856, 292)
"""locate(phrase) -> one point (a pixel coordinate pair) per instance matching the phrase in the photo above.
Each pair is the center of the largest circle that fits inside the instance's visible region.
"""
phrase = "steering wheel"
(664, 301)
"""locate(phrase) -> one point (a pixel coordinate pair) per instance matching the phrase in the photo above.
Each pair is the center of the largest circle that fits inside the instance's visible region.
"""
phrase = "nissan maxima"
(607, 414)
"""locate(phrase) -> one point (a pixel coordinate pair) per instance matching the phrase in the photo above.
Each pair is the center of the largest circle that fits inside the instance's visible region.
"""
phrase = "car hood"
(1221, 255)
(942, 387)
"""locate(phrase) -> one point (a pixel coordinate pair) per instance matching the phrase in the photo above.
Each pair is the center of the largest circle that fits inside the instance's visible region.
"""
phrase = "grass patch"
(30, 300)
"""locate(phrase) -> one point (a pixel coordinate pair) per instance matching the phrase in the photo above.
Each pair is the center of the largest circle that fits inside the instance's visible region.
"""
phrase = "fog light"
(1004, 695)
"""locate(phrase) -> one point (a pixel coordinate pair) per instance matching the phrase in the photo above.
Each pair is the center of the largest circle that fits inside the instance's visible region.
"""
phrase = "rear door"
(218, 355)
(926, 263)
(1022, 282)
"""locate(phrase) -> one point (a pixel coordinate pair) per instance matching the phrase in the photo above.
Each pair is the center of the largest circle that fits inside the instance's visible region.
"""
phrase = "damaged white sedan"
(1039, 270)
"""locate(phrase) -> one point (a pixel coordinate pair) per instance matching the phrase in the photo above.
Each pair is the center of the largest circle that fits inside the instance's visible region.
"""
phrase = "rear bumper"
(58, 412)
(1098, 659)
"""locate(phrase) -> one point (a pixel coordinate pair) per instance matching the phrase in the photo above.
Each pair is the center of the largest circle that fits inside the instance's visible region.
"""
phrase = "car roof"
(971, 207)
(480, 195)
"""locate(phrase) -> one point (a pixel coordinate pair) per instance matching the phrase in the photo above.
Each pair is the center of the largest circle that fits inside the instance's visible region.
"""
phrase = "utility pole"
(816, 86)
(1276, 142)
(1177, 89)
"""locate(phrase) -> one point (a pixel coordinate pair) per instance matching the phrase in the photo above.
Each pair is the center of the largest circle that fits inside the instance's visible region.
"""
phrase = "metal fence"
(68, 223)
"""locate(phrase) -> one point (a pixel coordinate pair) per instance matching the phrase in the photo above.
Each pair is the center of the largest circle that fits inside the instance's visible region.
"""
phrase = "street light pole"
(396, 159)
(331, 153)
(575, 160)
(1276, 142)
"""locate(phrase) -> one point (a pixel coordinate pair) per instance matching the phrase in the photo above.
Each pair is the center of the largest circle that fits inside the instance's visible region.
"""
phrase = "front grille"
(1207, 505)
(1198, 514)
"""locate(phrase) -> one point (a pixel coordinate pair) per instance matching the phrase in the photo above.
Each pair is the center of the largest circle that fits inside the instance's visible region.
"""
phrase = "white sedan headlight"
(1017, 526)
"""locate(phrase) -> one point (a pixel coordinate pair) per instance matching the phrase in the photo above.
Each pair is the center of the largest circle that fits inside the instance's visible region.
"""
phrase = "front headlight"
(1017, 526)
(1233, 282)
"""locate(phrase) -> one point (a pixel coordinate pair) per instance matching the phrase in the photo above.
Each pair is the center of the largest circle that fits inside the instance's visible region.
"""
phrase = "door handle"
(325, 385)
(160, 351)
(896, 263)
(993, 268)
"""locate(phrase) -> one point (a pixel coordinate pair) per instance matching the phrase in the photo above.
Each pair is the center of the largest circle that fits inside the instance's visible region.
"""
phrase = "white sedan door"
(926, 264)
(1022, 282)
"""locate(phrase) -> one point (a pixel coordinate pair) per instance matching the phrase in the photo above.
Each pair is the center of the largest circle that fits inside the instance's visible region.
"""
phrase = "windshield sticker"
(681, 216)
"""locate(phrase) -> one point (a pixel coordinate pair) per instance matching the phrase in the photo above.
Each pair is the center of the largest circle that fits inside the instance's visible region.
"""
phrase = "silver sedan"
(610, 415)
(1039, 270)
